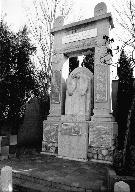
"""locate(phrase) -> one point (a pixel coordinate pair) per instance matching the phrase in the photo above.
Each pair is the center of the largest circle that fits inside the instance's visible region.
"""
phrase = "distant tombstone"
(121, 187)
(6, 179)
(100, 9)
(78, 94)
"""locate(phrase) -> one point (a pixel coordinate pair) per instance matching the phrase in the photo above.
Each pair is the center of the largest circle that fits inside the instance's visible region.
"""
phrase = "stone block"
(90, 155)
(5, 141)
(100, 9)
(12, 149)
(121, 187)
(100, 157)
(77, 189)
(50, 137)
(73, 146)
(5, 150)
(50, 132)
(59, 21)
(13, 139)
(101, 134)
(95, 156)
(104, 152)
(3, 157)
(89, 149)
(6, 179)
(44, 146)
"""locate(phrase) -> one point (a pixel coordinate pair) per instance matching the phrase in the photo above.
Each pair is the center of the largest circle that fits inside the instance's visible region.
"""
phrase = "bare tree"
(41, 18)
(125, 18)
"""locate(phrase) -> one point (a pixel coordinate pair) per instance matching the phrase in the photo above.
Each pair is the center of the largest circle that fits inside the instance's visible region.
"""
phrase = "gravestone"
(6, 179)
(121, 187)
(100, 129)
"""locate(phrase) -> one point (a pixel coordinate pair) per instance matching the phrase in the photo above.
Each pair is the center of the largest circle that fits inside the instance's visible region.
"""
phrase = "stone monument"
(73, 132)
(97, 133)
(78, 94)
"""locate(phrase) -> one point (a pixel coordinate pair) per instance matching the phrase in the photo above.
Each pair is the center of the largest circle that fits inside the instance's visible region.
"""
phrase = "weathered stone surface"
(100, 135)
(55, 87)
(77, 36)
(104, 152)
(59, 21)
(95, 156)
(50, 132)
(100, 153)
(100, 157)
(78, 94)
(121, 187)
(50, 137)
(70, 129)
(6, 178)
(100, 9)
(81, 45)
(90, 155)
(73, 146)
(101, 86)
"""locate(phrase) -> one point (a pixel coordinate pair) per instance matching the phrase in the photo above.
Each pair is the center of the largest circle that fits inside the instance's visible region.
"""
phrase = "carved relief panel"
(55, 87)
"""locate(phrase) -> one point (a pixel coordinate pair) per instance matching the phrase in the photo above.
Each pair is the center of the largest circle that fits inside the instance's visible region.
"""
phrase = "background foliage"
(17, 79)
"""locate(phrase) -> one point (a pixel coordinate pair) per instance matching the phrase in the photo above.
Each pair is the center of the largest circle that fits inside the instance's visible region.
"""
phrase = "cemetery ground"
(35, 172)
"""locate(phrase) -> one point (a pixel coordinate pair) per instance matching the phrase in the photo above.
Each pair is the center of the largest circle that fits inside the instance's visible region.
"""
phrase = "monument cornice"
(83, 22)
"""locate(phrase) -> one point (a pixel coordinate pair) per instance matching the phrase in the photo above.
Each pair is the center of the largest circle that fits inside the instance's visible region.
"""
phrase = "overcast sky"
(81, 9)
(16, 10)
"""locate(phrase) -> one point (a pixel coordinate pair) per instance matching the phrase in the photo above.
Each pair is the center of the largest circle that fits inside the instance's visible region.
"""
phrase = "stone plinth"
(73, 139)
(102, 135)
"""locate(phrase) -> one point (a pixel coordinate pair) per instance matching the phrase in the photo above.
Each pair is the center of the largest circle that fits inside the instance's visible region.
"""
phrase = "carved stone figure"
(78, 94)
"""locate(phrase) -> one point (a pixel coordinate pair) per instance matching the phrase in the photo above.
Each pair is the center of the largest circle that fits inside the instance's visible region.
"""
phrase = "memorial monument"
(78, 94)
(72, 131)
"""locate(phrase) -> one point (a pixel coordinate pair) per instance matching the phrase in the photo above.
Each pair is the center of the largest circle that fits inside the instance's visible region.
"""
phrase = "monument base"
(102, 135)
(101, 161)
(72, 159)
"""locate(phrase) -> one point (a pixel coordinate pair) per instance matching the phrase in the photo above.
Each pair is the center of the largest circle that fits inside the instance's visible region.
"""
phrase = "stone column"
(102, 129)
(102, 101)
(50, 126)
(58, 59)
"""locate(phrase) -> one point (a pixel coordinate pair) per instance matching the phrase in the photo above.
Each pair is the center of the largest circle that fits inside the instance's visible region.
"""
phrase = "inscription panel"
(79, 36)
(79, 45)
(71, 129)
